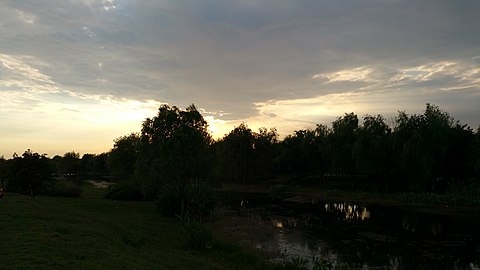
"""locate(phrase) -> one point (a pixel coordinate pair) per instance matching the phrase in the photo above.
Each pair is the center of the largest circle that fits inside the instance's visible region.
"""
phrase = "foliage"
(124, 192)
(428, 152)
(199, 204)
(94, 166)
(196, 236)
(174, 157)
(71, 167)
(62, 188)
(237, 154)
(122, 158)
(28, 174)
(3, 171)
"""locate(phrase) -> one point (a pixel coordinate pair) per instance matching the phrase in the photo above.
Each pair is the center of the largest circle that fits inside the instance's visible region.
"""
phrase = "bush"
(199, 204)
(124, 192)
(62, 189)
(196, 236)
(168, 204)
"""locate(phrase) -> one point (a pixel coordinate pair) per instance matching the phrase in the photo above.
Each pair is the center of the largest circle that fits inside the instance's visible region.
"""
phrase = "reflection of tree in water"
(347, 211)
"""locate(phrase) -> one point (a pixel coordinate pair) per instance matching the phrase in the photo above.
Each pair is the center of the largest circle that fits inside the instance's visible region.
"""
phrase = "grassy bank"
(93, 233)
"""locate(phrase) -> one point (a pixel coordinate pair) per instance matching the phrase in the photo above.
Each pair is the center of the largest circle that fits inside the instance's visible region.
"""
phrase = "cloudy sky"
(76, 74)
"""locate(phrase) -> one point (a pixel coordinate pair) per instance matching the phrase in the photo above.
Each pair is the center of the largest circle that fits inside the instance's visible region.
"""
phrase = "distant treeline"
(174, 151)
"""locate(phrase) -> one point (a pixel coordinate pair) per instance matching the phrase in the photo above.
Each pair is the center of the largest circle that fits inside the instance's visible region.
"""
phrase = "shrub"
(168, 204)
(199, 204)
(124, 192)
(196, 236)
(62, 189)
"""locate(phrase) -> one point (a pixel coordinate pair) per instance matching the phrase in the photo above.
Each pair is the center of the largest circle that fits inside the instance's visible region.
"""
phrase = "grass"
(94, 233)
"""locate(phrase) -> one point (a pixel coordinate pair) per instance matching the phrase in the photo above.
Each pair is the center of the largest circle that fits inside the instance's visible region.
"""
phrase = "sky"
(76, 74)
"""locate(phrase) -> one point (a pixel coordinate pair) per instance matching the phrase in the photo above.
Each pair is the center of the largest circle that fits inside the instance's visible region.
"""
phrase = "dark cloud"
(229, 55)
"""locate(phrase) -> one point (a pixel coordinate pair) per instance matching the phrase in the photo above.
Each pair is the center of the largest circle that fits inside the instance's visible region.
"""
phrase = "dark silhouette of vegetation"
(123, 157)
(173, 159)
(3, 171)
(28, 174)
(124, 192)
(430, 152)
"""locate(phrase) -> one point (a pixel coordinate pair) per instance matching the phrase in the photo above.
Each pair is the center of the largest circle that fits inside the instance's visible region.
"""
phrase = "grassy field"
(94, 233)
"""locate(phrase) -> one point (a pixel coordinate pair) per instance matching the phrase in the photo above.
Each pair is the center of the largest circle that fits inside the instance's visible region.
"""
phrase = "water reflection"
(367, 237)
(348, 211)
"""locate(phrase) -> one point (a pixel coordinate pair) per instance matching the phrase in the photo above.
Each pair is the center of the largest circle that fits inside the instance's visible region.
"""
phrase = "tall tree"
(237, 152)
(265, 150)
(123, 157)
(343, 138)
(173, 152)
(371, 152)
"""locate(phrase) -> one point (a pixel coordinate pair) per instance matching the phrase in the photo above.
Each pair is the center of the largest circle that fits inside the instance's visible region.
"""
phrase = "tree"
(29, 173)
(476, 158)
(3, 171)
(123, 157)
(70, 166)
(237, 154)
(344, 131)
(94, 166)
(264, 150)
(371, 151)
(173, 154)
(299, 154)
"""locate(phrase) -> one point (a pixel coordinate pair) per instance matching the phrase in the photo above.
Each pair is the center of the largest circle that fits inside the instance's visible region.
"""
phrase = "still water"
(364, 236)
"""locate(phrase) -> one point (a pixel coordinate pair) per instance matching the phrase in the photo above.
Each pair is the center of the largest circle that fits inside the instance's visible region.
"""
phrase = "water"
(365, 236)
(100, 184)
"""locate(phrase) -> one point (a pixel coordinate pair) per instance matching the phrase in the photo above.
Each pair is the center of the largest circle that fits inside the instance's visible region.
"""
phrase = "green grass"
(94, 233)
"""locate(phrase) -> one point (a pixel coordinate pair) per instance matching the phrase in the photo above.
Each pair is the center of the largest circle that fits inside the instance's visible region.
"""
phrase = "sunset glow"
(75, 75)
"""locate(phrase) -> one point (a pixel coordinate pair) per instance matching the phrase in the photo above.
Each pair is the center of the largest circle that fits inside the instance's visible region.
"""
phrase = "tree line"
(175, 154)
(420, 152)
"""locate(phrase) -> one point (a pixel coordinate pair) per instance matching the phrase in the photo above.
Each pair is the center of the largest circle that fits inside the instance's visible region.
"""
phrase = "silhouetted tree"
(265, 149)
(237, 154)
(476, 158)
(300, 155)
(173, 153)
(29, 173)
(371, 151)
(123, 157)
(3, 171)
(94, 166)
(344, 132)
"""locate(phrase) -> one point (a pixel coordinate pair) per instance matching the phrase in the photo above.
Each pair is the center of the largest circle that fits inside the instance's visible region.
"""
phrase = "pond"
(364, 236)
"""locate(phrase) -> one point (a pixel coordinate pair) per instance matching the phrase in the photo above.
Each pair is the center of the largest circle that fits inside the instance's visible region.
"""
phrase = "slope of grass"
(94, 233)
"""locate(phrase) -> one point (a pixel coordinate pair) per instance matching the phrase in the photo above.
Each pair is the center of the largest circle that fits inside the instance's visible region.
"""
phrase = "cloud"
(427, 72)
(351, 75)
(17, 73)
(230, 57)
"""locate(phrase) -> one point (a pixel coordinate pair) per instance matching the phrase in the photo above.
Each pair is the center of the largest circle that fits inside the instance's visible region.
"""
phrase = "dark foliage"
(196, 236)
(174, 159)
(430, 152)
(28, 174)
(199, 204)
(63, 190)
(124, 192)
